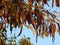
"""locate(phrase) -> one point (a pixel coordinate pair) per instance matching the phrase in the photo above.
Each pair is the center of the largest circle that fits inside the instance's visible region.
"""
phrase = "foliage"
(25, 41)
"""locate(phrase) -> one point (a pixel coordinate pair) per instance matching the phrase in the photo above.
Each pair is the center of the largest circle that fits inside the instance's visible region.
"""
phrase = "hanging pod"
(38, 0)
(6, 12)
(17, 16)
(11, 27)
(58, 28)
(30, 1)
(39, 18)
(23, 16)
(1, 43)
(45, 29)
(20, 30)
(57, 3)
(1, 26)
(44, 2)
(1, 9)
(30, 21)
(1, 23)
(52, 3)
(11, 24)
(19, 3)
(36, 35)
(53, 29)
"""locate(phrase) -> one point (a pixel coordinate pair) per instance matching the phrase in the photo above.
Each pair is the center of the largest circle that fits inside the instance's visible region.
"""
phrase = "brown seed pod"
(58, 28)
(52, 3)
(23, 16)
(45, 2)
(57, 3)
(20, 31)
(30, 1)
(1, 12)
(53, 29)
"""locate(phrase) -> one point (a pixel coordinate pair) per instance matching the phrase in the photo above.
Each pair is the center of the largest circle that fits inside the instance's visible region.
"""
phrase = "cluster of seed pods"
(16, 14)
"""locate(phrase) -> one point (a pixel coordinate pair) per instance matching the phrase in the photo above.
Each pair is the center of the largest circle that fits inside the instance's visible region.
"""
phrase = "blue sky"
(28, 32)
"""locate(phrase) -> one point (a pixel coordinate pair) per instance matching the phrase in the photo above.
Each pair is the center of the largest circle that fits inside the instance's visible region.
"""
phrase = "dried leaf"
(33, 32)
(46, 34)
(28, 26)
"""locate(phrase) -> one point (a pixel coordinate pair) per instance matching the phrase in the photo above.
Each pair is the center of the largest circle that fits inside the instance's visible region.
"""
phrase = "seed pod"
(23, 16)
(38, 0)
(30, 1)
(1, 12)
(53, 29)
(29, 18)
(57, 3)
(40, 18)
(52, 3)
(17, 16)
(58, 28)
(32, 22)
(6, 12)
(20, 31)
(11, 25)
(36, 35)
(1, 43)
(45, 2)
(1, 24)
